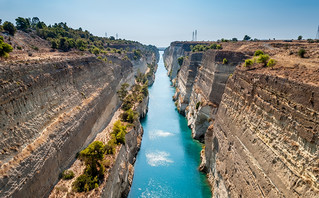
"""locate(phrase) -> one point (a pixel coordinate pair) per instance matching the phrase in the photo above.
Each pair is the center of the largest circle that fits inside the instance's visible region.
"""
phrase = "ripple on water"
(158, 158)
(158, 134)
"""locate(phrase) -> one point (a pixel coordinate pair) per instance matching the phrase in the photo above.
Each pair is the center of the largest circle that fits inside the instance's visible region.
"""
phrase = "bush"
(263, 59)
(5, 48)
(225, 61)
(123, 91)
(248, 63)
(9, 27)
(85, 183)
(67, 175)
(180, 60)
(119, 132)
(271, 63)
(302, 52)
(258, 52)
(299, 38)
(213, 46)
(129, 116)
(219, 47)
(94, 171)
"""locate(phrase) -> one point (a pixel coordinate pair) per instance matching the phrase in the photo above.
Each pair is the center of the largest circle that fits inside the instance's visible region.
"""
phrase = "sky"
(162, 22)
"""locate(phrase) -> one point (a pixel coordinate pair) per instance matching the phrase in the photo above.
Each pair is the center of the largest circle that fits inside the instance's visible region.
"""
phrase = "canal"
(167, 164)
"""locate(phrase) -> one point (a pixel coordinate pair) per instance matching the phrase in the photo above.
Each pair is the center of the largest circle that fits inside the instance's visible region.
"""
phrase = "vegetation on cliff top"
(262, 58)
(203, 48)
(5, 48)
(65, 38)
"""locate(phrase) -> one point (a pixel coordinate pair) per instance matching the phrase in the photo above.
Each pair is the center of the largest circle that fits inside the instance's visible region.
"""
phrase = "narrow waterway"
(167, 164)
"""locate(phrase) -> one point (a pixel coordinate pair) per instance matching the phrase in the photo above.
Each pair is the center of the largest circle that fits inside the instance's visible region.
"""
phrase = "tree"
(35, 21)
(234, 39)
(23, 23)
(246, 38)
(299, 38)
(112, 38)
(92, 153)
(119, 131)
(9, 27)
(5, 48)
(0, 21)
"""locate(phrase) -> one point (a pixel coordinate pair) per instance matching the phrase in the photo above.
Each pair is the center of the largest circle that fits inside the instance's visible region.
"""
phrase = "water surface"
(167, 164)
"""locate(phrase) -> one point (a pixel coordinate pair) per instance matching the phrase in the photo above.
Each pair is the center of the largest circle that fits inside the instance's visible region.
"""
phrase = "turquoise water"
(167, 164)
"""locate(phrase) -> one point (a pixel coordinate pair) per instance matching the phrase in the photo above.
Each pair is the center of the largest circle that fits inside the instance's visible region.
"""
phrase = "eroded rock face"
(262, 129)
(200, 84)
(49, 112)
(264, 141)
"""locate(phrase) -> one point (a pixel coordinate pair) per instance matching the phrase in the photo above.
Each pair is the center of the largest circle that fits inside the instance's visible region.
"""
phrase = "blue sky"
(161, 22)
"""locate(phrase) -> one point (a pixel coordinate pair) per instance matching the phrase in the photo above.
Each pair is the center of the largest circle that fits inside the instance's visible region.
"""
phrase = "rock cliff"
(52, 109)
(262, 136)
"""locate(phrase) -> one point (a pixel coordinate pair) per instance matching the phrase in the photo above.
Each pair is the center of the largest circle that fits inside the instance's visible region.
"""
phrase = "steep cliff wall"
(261, 127)
(264, 142)
(173, 52)
(200, 84)
(51, 110)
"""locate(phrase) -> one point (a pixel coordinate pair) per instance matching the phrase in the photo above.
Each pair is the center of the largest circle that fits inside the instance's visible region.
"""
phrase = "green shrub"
(180, 60)
(213, 46)
(302, 52)
(271, 63)
(67, 175)
(225, 61)
(109, 148)
(85, 183)
(92, 153)
(123, 91)
(263, 59)
(129, 116)
(258, 52)
(94, 171)
(9, 27)
(119, 132)
(5, 48)
(299, 38)
(219, 47)
(248, 63)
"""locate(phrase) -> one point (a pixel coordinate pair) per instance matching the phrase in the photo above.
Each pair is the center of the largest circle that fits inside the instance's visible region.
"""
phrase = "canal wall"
(260, 125)
(52, 109)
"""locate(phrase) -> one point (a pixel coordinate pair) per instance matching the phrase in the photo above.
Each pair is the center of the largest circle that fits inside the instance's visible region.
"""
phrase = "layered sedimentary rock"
(120, 179)
(172, 53)
(50, 111)
(262, 136)
(264, 142)
(200, 84)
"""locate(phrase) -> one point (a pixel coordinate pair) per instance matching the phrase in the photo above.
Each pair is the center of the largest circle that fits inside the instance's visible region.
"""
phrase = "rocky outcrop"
(50, 111)
(200, 84)
(120, 178)
(260, 128)
(173, 52)
(264, 142)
